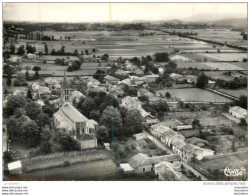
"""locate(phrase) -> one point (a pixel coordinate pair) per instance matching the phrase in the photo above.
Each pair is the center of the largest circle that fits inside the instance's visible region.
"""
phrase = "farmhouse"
(238, 112)
(143, 163)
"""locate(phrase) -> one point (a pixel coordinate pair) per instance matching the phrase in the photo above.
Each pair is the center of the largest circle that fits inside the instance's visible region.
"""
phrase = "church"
(74, 122)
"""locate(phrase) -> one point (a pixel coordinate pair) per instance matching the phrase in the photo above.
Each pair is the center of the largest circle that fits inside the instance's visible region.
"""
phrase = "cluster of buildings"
(170, 133)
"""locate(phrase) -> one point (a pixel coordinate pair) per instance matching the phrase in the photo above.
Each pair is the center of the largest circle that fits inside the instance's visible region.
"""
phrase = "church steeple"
(64, 80)
(65, 93)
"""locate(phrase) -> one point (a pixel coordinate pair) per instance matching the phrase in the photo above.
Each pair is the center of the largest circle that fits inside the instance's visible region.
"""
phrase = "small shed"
(106, 145)
(139, 136)
(15, 168)
(126, 167)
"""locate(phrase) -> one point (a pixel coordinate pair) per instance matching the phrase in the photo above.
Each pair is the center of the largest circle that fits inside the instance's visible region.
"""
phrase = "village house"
(169, 136)
(177, 144)
(143, 163)
(158, 130)
(211, 84)
(111, 80)
(187, 130)
(238, 112)
(169, 172)
(151, 78)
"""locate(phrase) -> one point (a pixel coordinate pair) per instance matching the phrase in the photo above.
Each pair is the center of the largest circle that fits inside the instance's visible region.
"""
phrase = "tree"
(102, 134)
(36, 69)
(95, 114)
(20, 50)
(168, 95)
(87, 52)
(105, 57)
(33, 110)
(196, 123)
(46, 135)
(29, 95)
(14, 102)
(13, 128)
(19, 112)
(242, 101)
(87, 106)
(46, 51)
(48, 110)
(8, 82)
(133, 123)
(161, 57)
(30, 49)
(202, 81)
(63, 49)
(12, 49)
(66, 141)
(243, 122)
(112, 120)
(20, 80)
(30, 133)
(27, 68)
(76, 53)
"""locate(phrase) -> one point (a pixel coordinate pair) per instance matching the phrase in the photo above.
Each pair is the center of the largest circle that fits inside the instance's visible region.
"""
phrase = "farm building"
(15, 168)
(238, 112)
(143, 163)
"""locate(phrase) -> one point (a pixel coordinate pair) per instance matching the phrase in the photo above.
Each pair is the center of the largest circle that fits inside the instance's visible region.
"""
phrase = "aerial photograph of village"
(103, 95)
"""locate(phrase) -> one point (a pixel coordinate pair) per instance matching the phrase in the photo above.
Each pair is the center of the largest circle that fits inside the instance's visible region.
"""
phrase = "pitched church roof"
(73, 114)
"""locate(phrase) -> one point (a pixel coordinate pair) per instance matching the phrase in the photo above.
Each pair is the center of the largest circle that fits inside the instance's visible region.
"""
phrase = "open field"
(218, 35)
(93, 170)
(225, 56)
(218, 75)
(235, 92)
(58, 70)
(214, 65)
(195, 95)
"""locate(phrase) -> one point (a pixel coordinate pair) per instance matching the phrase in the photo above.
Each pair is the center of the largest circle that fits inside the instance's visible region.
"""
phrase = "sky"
(123, 12)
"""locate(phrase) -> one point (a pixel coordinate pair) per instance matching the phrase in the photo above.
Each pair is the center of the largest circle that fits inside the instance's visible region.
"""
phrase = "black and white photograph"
(124, 91)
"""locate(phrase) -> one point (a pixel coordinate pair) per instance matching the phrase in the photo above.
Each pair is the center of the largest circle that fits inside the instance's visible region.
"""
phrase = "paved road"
(163, 147)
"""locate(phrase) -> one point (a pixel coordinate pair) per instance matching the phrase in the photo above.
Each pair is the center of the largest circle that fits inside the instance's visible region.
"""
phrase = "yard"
(215, 165)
